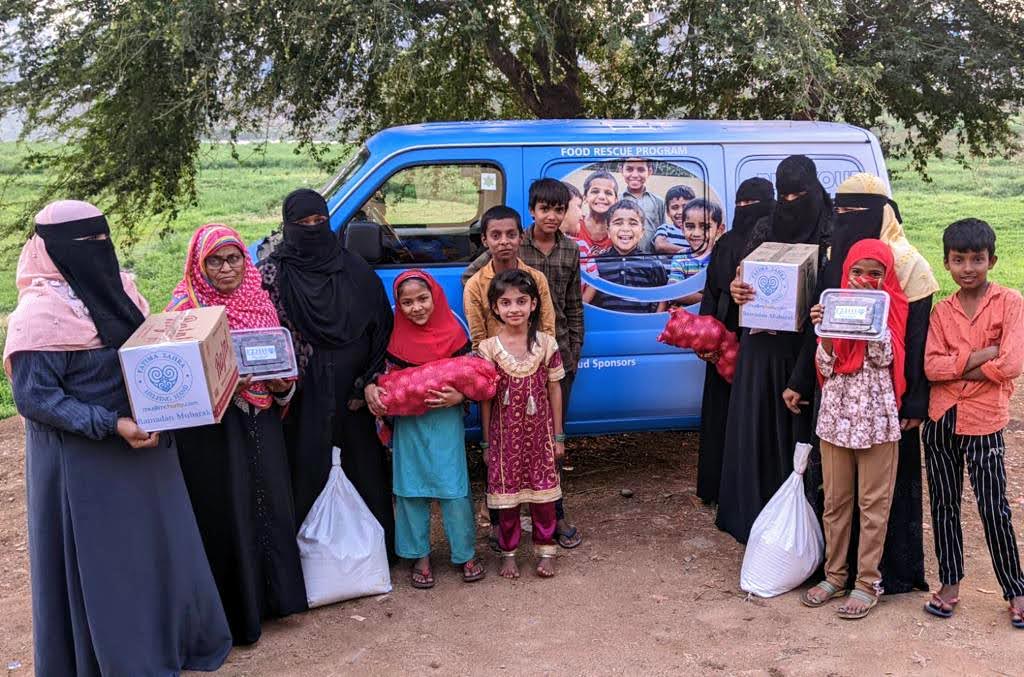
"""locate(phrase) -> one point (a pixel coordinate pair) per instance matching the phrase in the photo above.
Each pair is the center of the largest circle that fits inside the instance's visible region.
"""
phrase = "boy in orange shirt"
(974, 352)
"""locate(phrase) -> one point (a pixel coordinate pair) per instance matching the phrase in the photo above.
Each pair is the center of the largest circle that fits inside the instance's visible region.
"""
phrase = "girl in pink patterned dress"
(859, 427)
(522, 425)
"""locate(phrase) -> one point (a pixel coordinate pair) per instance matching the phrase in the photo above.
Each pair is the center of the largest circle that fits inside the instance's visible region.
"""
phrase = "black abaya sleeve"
(379, 329)
(804, 378)
(915, 400)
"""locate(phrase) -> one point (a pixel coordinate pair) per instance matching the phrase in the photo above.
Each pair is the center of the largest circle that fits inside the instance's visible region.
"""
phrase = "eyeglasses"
(217, 262)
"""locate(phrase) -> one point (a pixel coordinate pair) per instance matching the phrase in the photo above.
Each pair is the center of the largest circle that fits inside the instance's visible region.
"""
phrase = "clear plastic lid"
(854, 313)
(265, 354)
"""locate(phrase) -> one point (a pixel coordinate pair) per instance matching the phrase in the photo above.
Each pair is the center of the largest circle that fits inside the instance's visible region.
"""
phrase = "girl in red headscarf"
(237, 471)
(859, 427)
(429, 450)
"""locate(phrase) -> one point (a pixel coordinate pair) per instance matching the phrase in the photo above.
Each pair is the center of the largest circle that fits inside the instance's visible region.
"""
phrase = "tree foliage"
(136, 86)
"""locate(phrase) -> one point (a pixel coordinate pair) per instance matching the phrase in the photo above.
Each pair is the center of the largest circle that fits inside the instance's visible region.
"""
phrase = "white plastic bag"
(785, 545)
(341, 544)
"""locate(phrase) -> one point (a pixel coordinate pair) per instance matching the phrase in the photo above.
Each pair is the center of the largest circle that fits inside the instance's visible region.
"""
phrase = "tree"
(135, 86)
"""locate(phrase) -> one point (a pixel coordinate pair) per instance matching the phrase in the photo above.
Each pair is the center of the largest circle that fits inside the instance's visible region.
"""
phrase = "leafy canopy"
(137, 86)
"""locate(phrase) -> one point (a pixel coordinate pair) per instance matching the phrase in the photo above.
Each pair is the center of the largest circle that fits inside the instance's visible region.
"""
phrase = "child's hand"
(817, 313)
(279, 386)
(711, 357)
(559, 451)
(740, 291)
(487, 457)
(445, 397)
(374, 399)
(243, 383)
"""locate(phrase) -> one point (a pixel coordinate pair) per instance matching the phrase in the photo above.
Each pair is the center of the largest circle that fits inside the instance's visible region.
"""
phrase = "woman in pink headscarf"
(237, 470)
(120, 584)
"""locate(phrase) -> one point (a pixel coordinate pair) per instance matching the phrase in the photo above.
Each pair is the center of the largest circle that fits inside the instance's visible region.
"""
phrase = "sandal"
(541, 572)
(1017, 617)
(473, 570)
(422, 579)
(937, 606)
(570, 539)
(866, 597)
(830, 590)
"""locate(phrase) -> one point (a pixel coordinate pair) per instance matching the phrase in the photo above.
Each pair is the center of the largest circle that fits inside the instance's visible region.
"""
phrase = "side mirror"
(364, 238)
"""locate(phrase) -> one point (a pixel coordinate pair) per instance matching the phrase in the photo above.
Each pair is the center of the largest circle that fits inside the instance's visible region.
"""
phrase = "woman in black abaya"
(340, 319)
(864, 210)
(767, 408)
(755, 199)
(241, 492)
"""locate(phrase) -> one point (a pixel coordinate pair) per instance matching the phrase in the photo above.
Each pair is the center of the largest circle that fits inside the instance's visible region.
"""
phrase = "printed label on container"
(260, 353)
(851, 313)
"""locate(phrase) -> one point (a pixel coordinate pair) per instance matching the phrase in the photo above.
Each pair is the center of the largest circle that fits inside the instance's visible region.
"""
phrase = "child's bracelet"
(484, 445)
(560, 437)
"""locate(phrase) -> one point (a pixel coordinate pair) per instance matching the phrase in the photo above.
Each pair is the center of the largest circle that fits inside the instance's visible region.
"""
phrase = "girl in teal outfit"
(429, 450)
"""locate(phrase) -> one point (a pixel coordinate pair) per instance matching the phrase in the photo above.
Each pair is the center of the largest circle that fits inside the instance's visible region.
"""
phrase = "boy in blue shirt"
(626, 264)
(669, 238)
(702, 224)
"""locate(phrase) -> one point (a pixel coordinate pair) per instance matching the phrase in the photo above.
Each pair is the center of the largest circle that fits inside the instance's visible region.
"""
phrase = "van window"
(664, 239)
(431, 213)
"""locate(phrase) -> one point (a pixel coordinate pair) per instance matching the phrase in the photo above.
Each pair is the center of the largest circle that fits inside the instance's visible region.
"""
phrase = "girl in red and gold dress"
(522, 425)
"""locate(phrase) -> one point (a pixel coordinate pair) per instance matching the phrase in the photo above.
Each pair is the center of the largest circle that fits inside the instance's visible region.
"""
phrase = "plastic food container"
(265, 354)
(854, 314)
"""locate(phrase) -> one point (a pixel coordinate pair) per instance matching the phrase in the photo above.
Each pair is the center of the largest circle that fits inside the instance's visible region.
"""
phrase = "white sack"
(785, 545)
(341, 544)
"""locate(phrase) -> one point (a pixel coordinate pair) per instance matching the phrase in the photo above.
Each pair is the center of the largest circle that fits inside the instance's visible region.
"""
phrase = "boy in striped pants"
(974, 352)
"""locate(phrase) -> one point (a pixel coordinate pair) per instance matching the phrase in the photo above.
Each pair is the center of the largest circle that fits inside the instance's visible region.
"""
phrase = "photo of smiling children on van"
(635, 172)
(625, 263)
(702, 226)
(572, 225)
(669, 238)
(600, 191)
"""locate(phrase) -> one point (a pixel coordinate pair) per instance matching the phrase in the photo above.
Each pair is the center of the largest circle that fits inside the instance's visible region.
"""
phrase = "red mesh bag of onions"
(405, 389)
(703, 334)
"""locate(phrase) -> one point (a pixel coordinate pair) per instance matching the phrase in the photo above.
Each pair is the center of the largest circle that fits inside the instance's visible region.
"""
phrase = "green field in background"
(248, 196)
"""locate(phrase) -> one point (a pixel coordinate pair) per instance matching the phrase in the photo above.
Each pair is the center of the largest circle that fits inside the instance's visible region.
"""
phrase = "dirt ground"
(653, 590)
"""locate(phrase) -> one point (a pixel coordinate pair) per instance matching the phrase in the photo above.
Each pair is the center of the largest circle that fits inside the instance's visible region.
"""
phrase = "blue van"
(412, 196)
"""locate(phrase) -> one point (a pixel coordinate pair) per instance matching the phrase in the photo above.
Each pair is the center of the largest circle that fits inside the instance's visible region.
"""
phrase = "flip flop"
(1016, 617)
(480, 572)
(832, 591)
(934, 606)
(866, 597)
(570, 539)
(427, 576)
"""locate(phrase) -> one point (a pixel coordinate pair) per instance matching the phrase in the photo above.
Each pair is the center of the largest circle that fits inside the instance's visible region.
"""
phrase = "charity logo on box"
(164, 377)
(771, 283)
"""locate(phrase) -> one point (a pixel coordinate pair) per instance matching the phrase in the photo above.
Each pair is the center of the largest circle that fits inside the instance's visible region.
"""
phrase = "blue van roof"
(567, 132)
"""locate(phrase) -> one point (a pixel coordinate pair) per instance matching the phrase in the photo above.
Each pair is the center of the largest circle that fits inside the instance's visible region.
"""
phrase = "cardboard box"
(783, 277)
(180, 369)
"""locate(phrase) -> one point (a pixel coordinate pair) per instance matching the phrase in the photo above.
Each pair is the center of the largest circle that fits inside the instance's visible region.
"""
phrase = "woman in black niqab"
(757, 455)
(340, 318)
(755, 200)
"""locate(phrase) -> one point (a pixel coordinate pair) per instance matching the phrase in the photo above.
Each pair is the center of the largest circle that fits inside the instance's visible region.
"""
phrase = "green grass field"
(248, 198)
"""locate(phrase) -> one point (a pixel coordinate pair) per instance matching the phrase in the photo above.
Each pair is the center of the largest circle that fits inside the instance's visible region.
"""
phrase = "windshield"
(353, 165)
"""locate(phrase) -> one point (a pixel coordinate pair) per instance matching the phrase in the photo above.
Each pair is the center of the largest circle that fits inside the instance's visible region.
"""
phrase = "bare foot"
(508, 567)
(546, 567)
